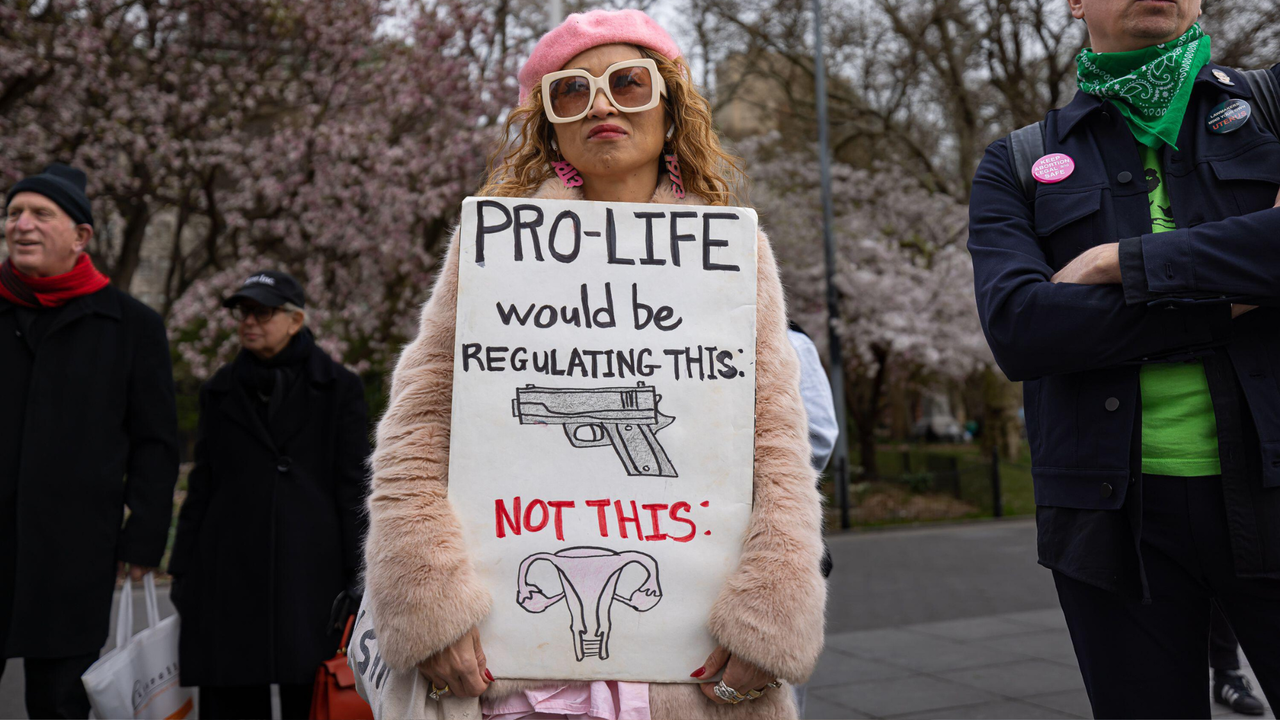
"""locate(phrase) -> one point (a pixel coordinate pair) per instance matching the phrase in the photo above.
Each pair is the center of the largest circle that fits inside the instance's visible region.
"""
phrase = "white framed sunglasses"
(631, 86)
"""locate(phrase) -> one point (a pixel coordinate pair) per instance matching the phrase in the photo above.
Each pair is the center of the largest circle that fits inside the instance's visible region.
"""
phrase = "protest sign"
(603, 428)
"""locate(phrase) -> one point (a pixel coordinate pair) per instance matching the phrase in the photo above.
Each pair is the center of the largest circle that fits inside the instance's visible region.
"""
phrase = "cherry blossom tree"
(904, 277)
(239, 134)
(358, 191)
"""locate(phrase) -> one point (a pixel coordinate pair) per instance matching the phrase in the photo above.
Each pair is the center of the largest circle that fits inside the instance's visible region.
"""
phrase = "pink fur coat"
(419, 579)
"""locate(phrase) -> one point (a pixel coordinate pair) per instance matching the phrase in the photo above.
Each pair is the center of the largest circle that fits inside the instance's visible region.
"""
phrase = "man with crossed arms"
(1124, 289)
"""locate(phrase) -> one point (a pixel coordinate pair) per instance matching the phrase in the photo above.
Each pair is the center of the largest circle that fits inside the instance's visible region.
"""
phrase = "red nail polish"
(488, 674)
(699, 672)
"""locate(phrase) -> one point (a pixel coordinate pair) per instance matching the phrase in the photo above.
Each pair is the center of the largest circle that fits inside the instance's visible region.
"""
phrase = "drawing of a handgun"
(625, 418)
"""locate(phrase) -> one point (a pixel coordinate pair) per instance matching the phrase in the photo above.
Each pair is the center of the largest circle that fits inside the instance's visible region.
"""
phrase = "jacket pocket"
(1252, 177)
(1085, 426)
(1067, 224)
(1081, 489)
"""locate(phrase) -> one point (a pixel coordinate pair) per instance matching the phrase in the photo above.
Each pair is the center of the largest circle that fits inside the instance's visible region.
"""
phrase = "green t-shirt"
(1179, 430)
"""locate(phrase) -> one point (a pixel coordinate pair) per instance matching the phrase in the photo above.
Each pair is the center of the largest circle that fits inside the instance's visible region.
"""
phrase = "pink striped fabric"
(598, 701)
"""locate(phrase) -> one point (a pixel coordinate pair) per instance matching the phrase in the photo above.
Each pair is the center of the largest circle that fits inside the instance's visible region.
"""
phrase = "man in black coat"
(271, 530)
(88, 427)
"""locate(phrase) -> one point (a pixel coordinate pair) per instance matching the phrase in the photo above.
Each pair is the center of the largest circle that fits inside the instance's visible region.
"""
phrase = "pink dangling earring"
(567, 173)
(565, 170)
(673, 171)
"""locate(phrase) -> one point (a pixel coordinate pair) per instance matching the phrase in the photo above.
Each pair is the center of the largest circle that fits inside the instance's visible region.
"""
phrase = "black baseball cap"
(271, 288)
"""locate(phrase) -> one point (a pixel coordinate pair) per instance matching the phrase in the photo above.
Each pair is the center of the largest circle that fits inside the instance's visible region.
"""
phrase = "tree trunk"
(135, 231)
(901, 419)
(866, 395)
(955, 394)
(1001, 429)
(867, 448)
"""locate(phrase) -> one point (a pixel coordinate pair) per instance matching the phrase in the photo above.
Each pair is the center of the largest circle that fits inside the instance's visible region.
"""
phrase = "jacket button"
(1106, 490)
(285, 462)
(1112, 404)
(1106, 116)
(1125, 176)
(17, 333)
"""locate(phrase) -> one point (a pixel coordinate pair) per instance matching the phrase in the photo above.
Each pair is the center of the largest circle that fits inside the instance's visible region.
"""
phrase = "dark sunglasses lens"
(570, 95)
(631, 87)
(261, 313)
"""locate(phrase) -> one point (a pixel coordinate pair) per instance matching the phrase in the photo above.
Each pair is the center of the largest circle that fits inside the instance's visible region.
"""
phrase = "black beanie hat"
(62, 184)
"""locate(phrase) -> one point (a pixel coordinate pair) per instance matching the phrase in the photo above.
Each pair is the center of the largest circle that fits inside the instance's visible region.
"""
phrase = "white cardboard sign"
(603, 428)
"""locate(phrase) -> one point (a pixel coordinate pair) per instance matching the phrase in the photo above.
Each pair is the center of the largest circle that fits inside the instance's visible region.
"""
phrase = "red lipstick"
(606, 131)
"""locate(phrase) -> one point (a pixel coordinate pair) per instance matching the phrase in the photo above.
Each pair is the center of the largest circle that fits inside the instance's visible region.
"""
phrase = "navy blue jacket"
(1079, 347)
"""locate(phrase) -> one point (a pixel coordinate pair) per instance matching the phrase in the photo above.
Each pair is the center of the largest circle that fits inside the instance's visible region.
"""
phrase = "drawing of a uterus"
(589, 585)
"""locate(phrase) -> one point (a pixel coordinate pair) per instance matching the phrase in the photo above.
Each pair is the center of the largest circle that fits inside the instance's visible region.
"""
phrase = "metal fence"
(974, 479)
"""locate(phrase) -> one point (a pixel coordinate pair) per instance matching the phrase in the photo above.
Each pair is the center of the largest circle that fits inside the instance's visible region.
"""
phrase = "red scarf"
(56, 291)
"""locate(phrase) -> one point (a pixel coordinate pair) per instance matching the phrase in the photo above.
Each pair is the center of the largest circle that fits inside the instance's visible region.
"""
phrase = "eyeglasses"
(261, 313)
(631, 85)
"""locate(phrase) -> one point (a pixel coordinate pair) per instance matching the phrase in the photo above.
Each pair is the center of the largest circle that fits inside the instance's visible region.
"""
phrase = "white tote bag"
(139, 678)
(393, 694)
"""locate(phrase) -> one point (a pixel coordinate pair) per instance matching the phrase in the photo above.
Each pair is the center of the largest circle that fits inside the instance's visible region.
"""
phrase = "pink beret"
(582, 31)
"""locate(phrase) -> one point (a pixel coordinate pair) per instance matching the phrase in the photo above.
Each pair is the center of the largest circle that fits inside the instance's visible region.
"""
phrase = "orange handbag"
(335, 696)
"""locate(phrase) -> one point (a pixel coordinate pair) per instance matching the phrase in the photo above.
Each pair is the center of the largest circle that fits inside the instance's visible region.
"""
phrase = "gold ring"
(437, 693)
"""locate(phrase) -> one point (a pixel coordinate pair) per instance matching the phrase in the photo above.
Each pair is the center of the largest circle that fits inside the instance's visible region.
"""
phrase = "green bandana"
(1150, 86)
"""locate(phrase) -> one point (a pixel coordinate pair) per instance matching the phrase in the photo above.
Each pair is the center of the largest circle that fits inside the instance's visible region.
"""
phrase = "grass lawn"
(929, 474)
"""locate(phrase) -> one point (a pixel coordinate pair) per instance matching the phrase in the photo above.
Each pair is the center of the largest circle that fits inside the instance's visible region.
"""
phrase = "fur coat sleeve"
(772, 610)
(419, 578)
(418, 574)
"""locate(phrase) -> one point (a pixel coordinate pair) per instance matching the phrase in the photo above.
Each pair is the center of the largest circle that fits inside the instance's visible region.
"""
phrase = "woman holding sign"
(608, 113)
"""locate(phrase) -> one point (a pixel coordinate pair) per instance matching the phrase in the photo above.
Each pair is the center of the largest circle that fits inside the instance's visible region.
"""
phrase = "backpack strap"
(1266, 94)
(1026, 146)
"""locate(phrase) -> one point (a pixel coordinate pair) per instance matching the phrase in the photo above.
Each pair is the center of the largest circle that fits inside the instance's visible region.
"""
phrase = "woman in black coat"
(272, 526)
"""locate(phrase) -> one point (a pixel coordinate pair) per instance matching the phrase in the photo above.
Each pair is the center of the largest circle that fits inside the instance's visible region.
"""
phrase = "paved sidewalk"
(955, 621)
(1013, 665)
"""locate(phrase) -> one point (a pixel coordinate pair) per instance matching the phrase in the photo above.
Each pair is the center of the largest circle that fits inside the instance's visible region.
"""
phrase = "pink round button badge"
(1053, 168)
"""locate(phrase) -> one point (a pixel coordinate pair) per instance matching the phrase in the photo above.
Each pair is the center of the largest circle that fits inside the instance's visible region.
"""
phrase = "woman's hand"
(738, 674)
(461, 667)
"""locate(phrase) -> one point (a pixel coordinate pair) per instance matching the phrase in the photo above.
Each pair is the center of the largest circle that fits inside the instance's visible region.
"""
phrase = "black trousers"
(53, 688)
(1224, 649)
(1150, 661)
(244, 702)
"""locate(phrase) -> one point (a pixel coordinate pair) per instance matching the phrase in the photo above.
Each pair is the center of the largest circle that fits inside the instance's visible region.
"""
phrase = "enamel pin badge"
(1222, 77)
(1229, 116)
(1053, 168)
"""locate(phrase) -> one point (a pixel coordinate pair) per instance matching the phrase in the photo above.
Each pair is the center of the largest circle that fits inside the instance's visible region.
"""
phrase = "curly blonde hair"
(707, 170)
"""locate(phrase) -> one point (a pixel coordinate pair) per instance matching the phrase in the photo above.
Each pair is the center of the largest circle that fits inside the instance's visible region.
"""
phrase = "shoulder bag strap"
(1266, 95)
